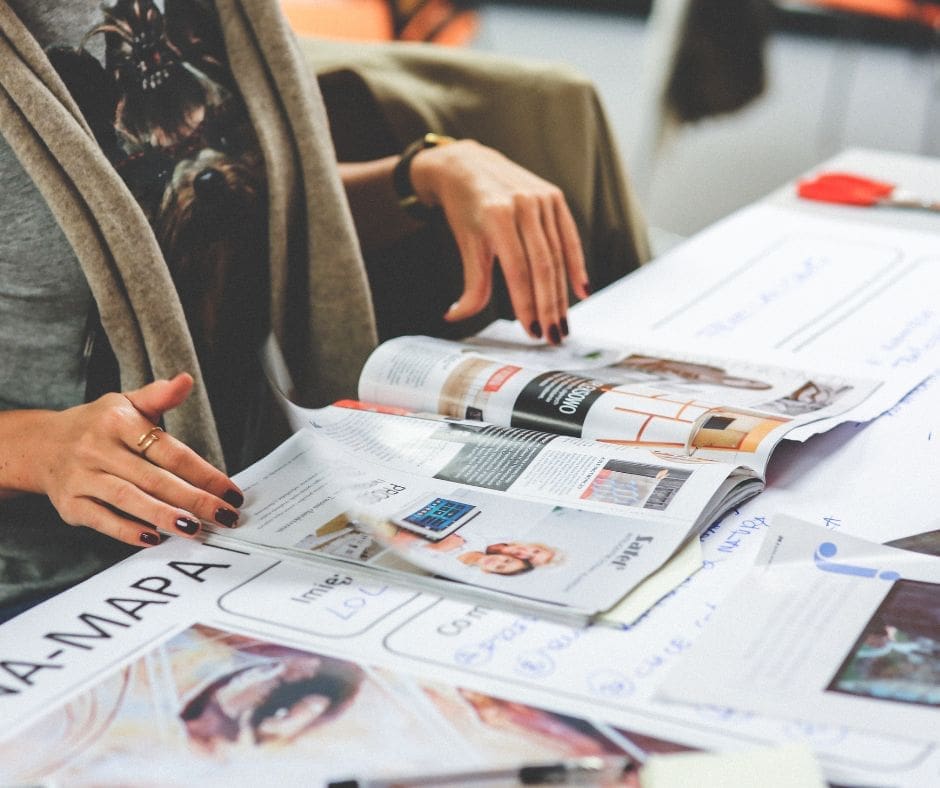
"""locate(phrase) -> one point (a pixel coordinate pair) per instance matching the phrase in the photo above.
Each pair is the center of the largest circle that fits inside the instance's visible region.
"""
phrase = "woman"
(169, 196)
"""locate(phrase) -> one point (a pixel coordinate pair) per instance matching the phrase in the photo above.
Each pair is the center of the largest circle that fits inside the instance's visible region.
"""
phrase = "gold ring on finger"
(147, 440)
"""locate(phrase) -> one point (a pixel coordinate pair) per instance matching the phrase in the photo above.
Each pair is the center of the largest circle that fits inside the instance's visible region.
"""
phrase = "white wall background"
(823, 95)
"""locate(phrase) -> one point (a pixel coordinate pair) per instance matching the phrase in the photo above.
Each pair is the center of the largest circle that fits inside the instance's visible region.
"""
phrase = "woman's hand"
(499, 211)
(94, 464)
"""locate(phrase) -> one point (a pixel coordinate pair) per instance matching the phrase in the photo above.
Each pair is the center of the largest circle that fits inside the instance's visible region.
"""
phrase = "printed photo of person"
(511, 558)
(272, 702)
(574, 736)
(808, 398)
(210, 705)
(677, 371)
(535, 553)
(496, 563)
(897, 656)
(220, 707)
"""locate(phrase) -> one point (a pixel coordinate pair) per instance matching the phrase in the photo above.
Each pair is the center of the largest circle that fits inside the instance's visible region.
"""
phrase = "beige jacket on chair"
(547, 117)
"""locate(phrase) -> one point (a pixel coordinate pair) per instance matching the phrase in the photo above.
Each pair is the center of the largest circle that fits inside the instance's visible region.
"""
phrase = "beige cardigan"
(325, 336)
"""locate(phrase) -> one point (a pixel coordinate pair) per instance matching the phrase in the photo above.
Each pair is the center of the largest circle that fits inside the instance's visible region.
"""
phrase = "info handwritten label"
(315, 600)
(784, 292)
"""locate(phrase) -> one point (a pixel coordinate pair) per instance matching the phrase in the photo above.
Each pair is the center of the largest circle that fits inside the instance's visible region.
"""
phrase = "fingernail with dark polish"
(564, 326)
(226, 517)
(553, 335)
(186, 525)
(233, 498)
(150, 537)
(536, 328)
(587, 288)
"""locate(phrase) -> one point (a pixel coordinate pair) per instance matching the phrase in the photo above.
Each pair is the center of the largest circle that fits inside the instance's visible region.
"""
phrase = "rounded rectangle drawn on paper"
(315, 600)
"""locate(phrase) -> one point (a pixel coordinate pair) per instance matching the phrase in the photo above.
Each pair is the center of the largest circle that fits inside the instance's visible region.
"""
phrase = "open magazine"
(485, 470)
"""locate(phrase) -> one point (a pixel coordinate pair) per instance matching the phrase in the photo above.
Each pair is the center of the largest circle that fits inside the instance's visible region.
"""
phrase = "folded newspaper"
(487, 471)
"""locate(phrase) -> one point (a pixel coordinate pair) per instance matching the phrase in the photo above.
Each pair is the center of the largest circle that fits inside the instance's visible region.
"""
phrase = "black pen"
(577, 771)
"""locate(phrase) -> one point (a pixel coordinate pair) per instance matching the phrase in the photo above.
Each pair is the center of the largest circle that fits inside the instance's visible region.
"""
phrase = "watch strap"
(408, 200)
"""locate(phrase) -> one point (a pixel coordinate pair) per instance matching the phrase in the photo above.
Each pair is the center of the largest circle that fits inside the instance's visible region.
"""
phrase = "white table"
(605, 675)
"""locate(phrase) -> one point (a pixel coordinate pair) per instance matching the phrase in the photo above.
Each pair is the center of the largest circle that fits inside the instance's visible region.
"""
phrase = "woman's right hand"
(500, 212)
(88, 461)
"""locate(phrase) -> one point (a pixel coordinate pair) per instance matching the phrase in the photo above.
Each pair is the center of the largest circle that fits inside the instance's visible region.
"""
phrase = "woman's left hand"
(500, 212)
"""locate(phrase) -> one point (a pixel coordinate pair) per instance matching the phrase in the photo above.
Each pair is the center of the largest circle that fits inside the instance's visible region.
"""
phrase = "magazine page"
(159, 676)
(687, 405)
(827, 628)
(677, 570)
(188, 663)
(319, 496)
(626, 481)
(799, 385)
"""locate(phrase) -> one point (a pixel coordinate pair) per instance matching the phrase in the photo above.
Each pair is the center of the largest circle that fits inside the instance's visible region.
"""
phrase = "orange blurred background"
(439, 21)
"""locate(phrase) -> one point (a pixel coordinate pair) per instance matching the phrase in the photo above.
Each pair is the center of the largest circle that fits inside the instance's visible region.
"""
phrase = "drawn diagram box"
(795, 284)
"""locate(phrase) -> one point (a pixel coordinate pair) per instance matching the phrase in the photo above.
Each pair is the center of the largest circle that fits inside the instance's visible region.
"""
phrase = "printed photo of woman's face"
(274, 701)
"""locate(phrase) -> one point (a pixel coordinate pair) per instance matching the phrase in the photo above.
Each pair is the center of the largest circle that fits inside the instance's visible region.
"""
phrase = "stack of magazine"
(555, 482)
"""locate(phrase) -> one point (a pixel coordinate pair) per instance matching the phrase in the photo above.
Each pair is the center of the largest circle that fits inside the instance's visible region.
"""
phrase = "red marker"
(848, 189)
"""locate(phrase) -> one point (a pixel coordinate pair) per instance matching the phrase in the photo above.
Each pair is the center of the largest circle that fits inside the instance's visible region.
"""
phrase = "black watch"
(401, 177)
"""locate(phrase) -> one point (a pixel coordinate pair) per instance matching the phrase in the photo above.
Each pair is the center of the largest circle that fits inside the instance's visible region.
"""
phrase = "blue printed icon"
(439, 514)
(827, 550)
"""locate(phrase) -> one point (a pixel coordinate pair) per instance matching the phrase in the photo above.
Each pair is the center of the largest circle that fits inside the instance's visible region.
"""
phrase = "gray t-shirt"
(44, 298)
(44, 307)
